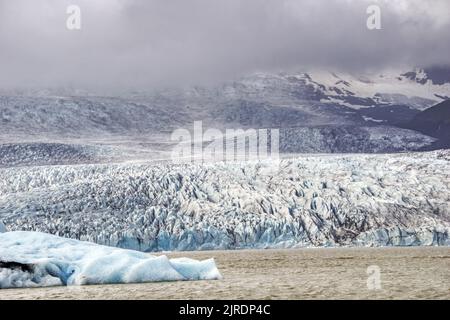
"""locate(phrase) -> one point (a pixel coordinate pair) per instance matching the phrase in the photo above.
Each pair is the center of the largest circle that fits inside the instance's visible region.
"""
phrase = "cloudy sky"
(148, 43)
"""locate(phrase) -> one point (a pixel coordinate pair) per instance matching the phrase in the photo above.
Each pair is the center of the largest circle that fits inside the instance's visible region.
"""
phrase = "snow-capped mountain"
(413, 89)
(435, 75)
(306, 107)
(392, 96)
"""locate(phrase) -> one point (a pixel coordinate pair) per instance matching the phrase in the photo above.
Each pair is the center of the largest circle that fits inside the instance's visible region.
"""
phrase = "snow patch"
(400, 89)
(372, 119)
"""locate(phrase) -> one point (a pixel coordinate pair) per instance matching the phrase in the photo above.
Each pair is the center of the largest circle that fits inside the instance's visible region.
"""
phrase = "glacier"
(32, 259)
(301, 201)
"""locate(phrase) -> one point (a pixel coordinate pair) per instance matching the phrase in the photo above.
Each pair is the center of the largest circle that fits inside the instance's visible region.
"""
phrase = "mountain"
(298, 99)
(315, 112)
(438, 75)
(434, 122)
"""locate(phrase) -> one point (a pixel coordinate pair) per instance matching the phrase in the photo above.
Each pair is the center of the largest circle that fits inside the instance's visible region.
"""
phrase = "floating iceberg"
(30, 259)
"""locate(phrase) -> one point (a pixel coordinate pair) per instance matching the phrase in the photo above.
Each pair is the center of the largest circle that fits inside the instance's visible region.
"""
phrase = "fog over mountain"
(142, 44)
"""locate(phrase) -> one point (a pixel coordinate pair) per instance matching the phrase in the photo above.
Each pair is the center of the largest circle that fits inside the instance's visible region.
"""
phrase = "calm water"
(421, 273)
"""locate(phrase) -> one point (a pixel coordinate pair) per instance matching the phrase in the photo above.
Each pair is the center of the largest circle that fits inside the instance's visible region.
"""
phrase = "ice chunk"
(2, 227)
(30, 259)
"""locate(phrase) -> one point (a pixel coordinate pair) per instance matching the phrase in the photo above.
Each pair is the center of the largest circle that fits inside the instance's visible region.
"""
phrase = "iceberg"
(34, 259)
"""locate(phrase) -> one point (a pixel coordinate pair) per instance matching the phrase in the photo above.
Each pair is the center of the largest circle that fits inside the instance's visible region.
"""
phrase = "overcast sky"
(148, 43)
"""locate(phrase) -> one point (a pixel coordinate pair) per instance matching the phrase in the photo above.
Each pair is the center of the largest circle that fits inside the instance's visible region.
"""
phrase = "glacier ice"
(309, 200)
(40, 259)
(39, 153)
(2, 227)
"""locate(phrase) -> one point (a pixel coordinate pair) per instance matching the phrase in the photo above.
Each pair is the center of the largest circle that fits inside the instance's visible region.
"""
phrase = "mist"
(147, 44)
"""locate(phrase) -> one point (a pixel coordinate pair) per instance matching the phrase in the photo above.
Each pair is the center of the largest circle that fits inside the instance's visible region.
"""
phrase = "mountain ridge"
(302, 102)
(434, 121)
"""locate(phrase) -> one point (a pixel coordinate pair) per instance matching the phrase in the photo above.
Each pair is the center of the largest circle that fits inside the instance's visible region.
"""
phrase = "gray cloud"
(147, 43)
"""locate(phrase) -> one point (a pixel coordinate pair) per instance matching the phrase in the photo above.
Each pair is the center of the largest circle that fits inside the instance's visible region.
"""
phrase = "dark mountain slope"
(434, 122)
